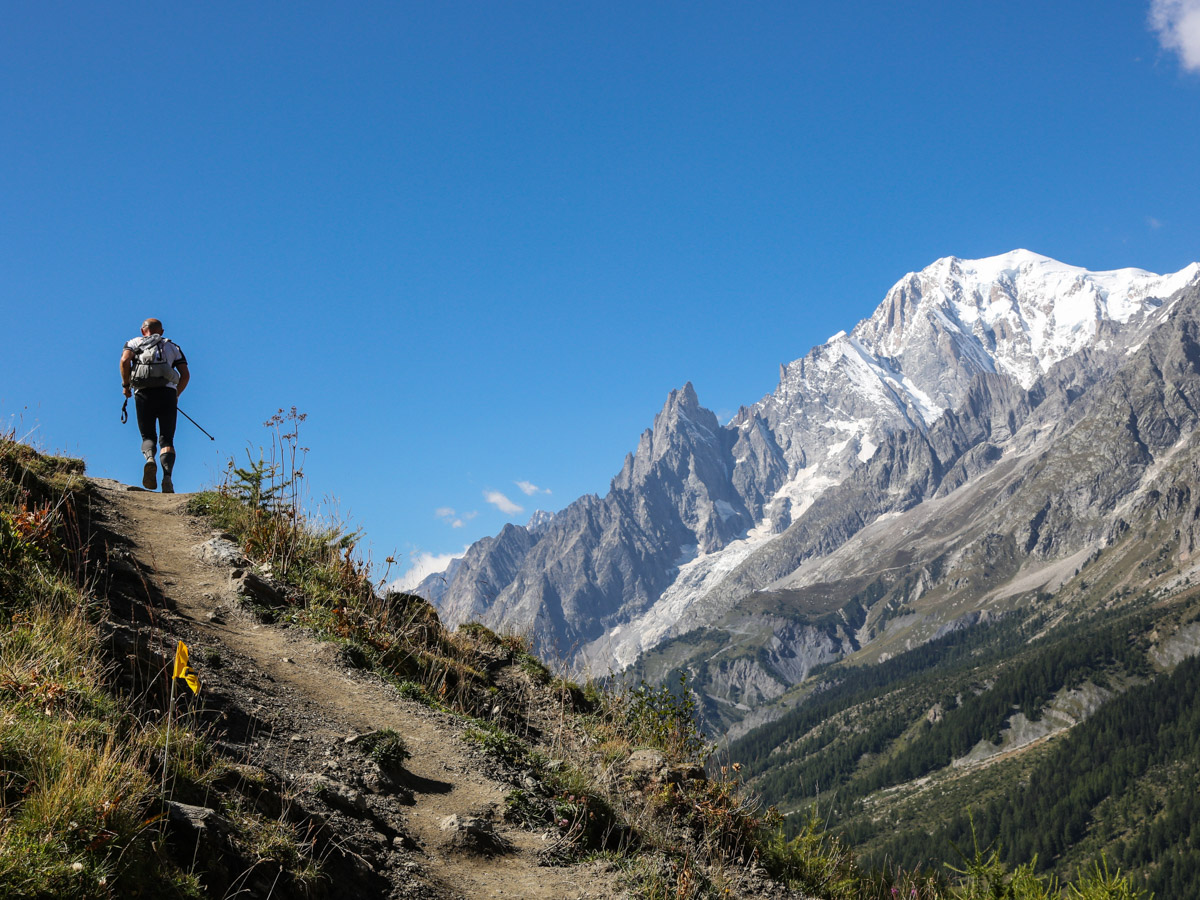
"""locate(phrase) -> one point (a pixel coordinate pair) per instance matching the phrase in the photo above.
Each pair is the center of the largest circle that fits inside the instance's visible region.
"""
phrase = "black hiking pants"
(156, 407)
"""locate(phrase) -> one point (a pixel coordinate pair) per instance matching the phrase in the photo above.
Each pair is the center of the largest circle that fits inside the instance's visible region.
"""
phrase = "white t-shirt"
(170, 352)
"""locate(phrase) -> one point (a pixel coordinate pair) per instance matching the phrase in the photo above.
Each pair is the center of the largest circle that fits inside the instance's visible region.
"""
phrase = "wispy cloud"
(1153, 222)
(528, 488)
(421, 566)
(453, 519)
(1177, 23)
(502, 503)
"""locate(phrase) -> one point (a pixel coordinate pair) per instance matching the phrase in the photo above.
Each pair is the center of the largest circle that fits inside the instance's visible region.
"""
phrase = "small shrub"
(665, 719)
(524, 808)
(589, 822)
(480, 633)
(985, 877)
(533, 667)
(387, 748)
(498, 743)
(725, 819)
(202, 503)
(355, 655)
(574, 697)
(1100, 884)
(812, 861)
(411, 690)
(594, 694)
(516, 644)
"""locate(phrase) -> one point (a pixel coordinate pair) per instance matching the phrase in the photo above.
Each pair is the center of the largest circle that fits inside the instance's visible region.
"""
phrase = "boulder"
(256, 588)
(219, 551)
(473, 834)
(646, 764)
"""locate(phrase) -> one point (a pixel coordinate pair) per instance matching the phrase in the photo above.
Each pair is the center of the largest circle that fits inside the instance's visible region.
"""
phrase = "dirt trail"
(306, 703)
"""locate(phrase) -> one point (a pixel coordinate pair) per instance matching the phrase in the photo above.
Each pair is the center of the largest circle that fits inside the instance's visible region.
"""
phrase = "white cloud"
(1153, 222)
(422, 566)
(1178, 25)
(502, 503)
(453, 519)
(528, 488)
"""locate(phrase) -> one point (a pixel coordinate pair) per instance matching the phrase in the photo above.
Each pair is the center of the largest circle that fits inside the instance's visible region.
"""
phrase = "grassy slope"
(79, 779)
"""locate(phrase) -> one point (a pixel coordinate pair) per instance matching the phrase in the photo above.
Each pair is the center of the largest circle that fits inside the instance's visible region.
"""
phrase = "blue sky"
(478, 243)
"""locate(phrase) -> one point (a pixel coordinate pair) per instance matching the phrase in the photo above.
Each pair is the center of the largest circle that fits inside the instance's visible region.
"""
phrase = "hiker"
(155, 372)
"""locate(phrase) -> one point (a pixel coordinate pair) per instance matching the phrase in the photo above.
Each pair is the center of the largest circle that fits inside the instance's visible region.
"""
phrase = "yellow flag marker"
(183, 670)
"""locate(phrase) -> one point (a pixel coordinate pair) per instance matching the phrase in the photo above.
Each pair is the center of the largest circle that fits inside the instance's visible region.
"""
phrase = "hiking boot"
(150, 475)
(168, 487)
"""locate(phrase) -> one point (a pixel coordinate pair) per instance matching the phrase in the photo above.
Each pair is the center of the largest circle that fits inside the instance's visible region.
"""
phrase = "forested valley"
(1053, 745)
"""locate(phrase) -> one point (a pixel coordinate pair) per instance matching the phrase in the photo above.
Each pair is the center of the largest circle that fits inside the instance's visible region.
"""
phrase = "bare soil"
(285, 704)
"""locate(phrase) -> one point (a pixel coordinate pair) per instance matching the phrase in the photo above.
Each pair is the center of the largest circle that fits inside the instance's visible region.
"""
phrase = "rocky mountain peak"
(683, 399)
(1018, 313)
(539, 521)
(699, 511)
(683, 430)
(683, 411)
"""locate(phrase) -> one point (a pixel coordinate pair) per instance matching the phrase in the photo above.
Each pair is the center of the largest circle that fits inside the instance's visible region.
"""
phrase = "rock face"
(1009, 496)
(464, 594)
(599, 562)
(1015, 390)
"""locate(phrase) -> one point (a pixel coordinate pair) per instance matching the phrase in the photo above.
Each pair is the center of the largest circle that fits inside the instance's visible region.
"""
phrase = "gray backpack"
(150, 370)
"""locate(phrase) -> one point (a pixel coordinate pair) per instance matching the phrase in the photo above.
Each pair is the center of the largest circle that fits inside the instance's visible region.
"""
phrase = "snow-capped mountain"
(1017, 314)
(608, 578)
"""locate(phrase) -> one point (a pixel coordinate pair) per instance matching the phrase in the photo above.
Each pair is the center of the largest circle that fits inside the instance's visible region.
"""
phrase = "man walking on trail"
(155, 372)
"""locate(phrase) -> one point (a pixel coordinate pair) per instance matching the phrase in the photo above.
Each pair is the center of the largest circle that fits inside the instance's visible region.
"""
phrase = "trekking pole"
(125, 411)
(194, 422)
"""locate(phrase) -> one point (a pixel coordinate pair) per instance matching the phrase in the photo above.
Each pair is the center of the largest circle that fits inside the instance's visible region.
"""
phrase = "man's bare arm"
(184, 377)
(126, 371)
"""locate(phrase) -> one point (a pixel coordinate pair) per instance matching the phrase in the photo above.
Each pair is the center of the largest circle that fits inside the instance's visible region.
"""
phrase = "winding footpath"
(305, 704)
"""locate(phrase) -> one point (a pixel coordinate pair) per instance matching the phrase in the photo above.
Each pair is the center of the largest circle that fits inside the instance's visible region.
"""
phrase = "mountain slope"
(1023, 611)
(698, 514)
(1033, 630)
(1006, 497)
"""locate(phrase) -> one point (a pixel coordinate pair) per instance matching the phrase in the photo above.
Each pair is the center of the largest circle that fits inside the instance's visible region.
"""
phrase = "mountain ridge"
(1088, 454)
(697, 499)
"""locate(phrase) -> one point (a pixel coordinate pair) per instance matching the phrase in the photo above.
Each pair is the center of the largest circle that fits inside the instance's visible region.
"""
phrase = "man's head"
(151, 326)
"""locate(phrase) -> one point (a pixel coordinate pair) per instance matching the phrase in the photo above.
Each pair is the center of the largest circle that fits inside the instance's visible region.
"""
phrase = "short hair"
(153, 326)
